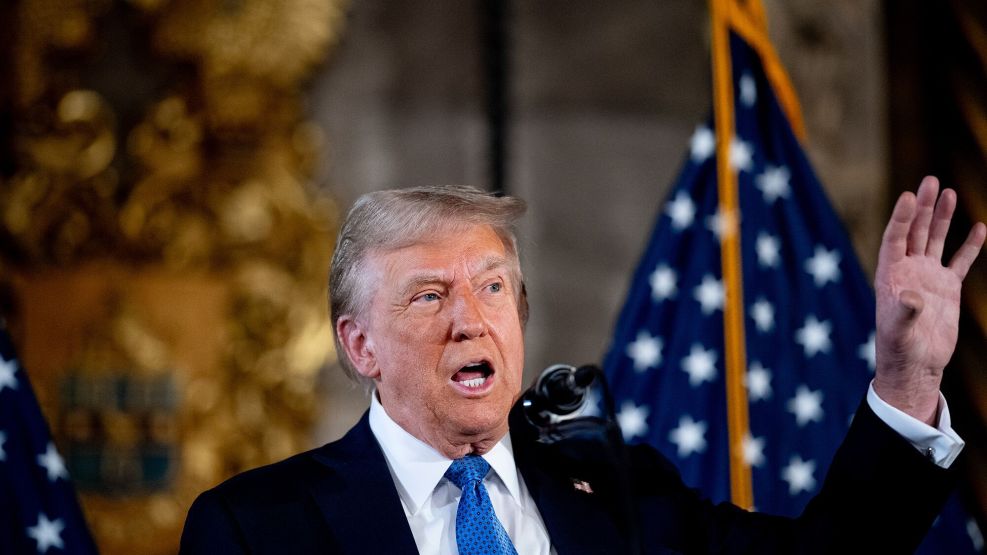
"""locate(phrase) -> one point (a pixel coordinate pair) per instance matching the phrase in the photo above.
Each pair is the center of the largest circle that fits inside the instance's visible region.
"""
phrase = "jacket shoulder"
(277, 504)
(271, 482)
(256, 510)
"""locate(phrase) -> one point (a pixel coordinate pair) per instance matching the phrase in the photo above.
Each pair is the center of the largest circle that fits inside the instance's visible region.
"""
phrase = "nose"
(468, 321)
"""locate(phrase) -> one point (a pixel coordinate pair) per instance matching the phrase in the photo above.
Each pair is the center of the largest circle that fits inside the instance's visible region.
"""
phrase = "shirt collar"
(417, 467)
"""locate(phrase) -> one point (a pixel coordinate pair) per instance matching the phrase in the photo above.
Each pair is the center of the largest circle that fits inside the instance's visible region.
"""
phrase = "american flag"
(808, 318)
(39, 512)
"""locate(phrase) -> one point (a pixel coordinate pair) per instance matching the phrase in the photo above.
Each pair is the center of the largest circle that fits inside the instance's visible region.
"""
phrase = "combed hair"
(387, 220)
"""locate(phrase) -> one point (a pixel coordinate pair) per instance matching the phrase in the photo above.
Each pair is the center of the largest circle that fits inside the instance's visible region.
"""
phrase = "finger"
(969, 250)
(940, 223)
(895, 241)
(918, 236)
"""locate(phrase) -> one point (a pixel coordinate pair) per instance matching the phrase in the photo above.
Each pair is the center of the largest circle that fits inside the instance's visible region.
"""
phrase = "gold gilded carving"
(45, 27)
(248, 52)
(57, 206)
(80, 143)
(174, 254)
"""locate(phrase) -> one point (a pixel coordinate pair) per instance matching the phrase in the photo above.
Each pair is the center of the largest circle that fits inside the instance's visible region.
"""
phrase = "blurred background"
(172, 174)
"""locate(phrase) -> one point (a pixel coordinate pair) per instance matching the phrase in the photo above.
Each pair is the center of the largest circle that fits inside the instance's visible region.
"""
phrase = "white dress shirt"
(940, 444)
(430, 500)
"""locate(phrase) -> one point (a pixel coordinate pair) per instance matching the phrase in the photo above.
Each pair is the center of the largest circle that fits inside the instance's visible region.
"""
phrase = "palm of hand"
(928, 344)
(918, 299)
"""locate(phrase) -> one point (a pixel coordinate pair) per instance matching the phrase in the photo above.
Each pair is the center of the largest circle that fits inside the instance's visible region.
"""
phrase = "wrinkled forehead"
(439, 229)
(474, 248)
(375, 260)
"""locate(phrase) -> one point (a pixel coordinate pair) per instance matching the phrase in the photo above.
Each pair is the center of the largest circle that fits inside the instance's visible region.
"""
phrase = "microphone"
(559, 391)
(549, 415)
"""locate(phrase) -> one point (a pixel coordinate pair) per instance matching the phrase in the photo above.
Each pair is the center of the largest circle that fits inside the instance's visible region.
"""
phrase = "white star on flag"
(703, 143)
(773, 183)
(722, 224)
(709, 293)
(758, 382)
(53, 463)
(976, 536)
(824, 266)
(681, 210)
(748, 90)
(633, 419)
(700, 365)
(741, 155)
(814, 336)
(806, 406)
(689, 436)
(663, 283)
(7, 370)
(763, 314)
(47, 533)
(868, 352)
(752, 449)
(645, 351)
(767, 248)
(798, 474)
(714, 223)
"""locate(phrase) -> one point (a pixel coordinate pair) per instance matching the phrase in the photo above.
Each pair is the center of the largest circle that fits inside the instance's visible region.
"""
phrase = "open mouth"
(473, 375)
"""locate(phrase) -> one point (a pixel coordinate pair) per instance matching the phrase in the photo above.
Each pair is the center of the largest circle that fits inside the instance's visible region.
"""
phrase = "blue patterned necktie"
(478, 531)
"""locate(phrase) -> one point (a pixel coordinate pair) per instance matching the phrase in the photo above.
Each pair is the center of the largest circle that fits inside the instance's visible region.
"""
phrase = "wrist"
(916, 398)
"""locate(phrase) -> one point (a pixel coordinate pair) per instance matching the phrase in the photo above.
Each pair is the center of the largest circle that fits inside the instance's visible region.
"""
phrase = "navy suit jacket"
(880, 496)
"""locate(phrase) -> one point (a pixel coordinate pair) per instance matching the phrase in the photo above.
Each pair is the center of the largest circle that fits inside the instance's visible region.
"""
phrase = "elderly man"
(428, 305)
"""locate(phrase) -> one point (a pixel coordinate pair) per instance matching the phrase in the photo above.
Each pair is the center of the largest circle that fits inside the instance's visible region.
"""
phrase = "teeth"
(475, 382)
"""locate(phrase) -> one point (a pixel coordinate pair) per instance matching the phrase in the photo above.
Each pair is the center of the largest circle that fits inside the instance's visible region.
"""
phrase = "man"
(428, 305)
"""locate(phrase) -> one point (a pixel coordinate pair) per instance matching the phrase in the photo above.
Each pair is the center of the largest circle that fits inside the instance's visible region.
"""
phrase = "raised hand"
(918, 299)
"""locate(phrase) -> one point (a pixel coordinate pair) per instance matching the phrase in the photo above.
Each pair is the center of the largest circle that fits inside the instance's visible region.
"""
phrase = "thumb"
(906, 310)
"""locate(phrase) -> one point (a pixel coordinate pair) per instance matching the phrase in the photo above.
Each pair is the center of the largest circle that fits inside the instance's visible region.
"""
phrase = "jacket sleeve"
(879, 496)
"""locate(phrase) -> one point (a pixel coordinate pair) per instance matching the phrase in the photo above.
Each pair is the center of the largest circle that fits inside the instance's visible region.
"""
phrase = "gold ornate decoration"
(174, 256)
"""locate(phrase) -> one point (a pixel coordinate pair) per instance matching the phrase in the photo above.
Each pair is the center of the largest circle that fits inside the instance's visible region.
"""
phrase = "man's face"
(443, 338)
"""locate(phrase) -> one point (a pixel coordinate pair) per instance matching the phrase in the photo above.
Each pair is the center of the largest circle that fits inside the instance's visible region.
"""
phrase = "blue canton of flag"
(39, 512)
(809, 320)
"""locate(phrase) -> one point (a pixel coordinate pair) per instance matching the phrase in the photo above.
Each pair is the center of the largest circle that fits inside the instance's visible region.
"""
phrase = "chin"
(489, 418)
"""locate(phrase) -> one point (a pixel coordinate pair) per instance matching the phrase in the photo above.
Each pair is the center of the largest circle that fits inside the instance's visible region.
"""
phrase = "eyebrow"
(490, 263)
(427, 277)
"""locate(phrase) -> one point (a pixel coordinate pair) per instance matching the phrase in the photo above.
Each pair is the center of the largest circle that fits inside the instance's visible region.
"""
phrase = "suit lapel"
(358, 498)
(576, 519)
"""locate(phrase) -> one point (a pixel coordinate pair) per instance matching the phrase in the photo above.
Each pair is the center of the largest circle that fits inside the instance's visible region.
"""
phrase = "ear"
(358, 346)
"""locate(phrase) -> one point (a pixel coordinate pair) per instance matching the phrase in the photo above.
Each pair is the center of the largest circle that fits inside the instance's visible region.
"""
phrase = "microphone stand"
(577, 438)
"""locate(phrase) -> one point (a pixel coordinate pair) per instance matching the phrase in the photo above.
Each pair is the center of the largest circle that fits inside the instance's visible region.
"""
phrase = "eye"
(428, 297)
(495, 287)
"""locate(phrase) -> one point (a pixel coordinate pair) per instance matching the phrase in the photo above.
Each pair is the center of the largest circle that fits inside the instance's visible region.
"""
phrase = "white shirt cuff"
(941, 445)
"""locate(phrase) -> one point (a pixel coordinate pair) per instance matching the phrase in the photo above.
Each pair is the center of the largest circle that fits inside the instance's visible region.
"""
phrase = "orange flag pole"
(741, 488)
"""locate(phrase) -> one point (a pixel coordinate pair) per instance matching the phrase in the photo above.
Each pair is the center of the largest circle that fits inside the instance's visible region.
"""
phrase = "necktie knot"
(467, 470)
(478, 531)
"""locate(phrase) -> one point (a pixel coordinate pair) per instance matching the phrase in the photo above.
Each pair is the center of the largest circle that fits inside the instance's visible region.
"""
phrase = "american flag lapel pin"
(582, 485)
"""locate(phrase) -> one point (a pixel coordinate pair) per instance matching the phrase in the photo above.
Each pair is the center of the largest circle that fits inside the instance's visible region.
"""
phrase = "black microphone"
(548, 415)
(560, 391)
